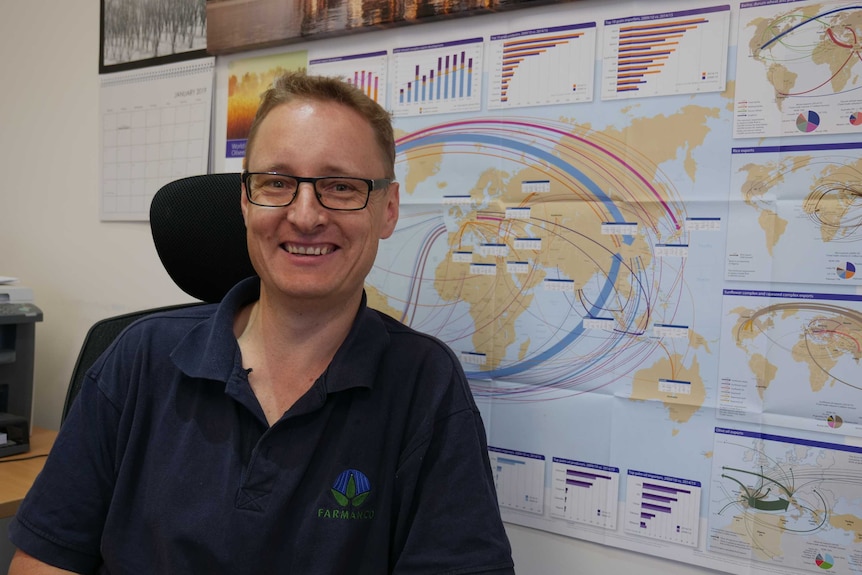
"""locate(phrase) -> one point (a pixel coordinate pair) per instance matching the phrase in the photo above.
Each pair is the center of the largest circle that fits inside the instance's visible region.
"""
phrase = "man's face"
(303, 251)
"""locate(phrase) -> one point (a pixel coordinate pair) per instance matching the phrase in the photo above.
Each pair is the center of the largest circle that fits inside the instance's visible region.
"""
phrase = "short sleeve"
(452, 522)
(61, 520)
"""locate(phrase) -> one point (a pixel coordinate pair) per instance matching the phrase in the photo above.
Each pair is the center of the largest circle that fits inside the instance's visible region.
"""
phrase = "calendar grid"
(155, 129)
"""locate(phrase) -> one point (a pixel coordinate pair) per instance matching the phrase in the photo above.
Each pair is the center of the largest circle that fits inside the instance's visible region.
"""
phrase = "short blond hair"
(297, 85)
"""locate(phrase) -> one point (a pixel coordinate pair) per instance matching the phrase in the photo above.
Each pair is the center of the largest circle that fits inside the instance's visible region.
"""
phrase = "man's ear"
(390, 215)
(243, 197)
(243, 203)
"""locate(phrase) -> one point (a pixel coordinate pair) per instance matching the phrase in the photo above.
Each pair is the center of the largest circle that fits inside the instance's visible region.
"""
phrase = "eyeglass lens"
(338, 193)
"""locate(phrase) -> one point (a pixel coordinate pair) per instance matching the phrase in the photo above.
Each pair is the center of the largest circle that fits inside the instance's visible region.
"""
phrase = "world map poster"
(639, 233)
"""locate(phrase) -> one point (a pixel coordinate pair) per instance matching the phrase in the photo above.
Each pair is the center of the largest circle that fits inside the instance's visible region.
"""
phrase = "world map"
(798, 212)
(768, 337)
(788, 502)
(570, 258)
(555, 230)
(803, 63)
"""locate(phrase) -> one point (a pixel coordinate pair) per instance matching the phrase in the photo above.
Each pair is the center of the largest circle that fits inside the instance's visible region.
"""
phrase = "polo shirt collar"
(210, 350)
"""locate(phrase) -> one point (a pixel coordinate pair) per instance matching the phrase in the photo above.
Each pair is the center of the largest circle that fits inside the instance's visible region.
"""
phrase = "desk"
(17, 472)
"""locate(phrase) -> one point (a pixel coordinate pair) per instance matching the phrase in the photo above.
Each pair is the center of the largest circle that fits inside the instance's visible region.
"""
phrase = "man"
(290, 429)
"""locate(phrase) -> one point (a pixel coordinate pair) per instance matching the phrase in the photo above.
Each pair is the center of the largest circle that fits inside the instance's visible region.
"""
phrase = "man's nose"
(306, 209)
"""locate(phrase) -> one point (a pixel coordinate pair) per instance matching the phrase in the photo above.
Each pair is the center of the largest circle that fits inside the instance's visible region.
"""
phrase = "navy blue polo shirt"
(166, 463)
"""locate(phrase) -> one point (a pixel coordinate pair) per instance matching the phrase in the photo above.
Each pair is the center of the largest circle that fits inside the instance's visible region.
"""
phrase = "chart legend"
(585, 492)
(662, 507)
(542, 66)
(666, 54)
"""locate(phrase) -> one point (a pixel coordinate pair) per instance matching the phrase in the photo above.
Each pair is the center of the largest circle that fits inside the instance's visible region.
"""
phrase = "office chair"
(199, 235)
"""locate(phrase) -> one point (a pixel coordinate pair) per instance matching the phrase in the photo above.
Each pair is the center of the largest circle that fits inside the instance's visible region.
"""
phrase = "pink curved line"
(842, 334)
(562, 133)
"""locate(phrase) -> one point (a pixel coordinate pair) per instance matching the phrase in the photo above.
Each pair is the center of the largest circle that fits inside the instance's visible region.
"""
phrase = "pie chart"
(834, 421)
(824, 561)
(856, 118)
(846, 272)
(808, 122)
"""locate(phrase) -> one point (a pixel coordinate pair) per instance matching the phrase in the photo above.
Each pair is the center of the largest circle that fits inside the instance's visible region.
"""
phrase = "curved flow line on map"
(834, 202)
(415, 286)
(467, 132)
(804, 22)
(851, 315)
(573, 335)
(752, 501)
(835, 40)
(424, 138)
(849, 197)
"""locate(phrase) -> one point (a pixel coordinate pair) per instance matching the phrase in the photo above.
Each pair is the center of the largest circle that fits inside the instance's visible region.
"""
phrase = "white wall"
(82, 269)
(51, 238)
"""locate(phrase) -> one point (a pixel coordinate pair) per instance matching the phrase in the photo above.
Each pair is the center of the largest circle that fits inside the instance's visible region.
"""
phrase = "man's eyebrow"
(282, 168)
(327, 170)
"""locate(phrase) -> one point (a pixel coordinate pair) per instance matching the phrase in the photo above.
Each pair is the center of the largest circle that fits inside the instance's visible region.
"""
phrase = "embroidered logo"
(350, 491)
(351, 488)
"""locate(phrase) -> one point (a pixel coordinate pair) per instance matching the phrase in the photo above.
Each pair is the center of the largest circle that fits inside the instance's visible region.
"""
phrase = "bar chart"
(542, 66)
(519, 478)
(365, 71)
(662, 507)
(437, 78)
(666, 54)
(585, 492)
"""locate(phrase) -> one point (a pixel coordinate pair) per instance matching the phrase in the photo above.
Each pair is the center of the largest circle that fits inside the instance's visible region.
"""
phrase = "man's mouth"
(308, 250)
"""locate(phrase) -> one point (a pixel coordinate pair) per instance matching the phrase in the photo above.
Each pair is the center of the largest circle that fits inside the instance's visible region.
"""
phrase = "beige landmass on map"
(826, 340)
(762, 531)
(746, 330)
(832, 196)
(422, 163)
(820, 356)
(782, 79)
(848, 522)
(764, 372)
(568, 221)
(836, 48)
(572, 238)
(680, 407)
(839, 49)
(380, 303)
(835, 193)
(829, 339)
(761, 179)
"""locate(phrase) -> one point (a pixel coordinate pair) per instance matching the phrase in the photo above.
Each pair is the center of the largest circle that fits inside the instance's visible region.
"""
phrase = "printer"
(13, 293)
(18, 317)
(14, 434)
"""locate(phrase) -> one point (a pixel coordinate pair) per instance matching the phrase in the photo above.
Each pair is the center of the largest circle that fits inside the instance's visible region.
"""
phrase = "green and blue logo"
(350, 491)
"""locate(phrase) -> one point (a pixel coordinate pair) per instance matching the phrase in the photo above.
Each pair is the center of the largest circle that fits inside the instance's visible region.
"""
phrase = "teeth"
(308, 251)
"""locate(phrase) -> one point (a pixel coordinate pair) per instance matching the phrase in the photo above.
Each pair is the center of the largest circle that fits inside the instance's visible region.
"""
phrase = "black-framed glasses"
(275, 190)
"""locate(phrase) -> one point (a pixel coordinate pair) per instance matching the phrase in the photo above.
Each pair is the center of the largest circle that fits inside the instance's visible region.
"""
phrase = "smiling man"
(290, 428)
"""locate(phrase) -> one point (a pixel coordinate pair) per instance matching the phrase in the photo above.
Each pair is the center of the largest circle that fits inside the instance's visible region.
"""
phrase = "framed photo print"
(253, 24)
(141, 33)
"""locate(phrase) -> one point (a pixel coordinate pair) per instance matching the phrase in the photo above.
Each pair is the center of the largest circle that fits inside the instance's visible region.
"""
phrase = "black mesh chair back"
(199, 235)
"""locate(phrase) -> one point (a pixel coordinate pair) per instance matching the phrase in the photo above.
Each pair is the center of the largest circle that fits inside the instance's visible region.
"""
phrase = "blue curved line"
(607, 289)
(521, 147)
(560, 345)
(804, 22)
